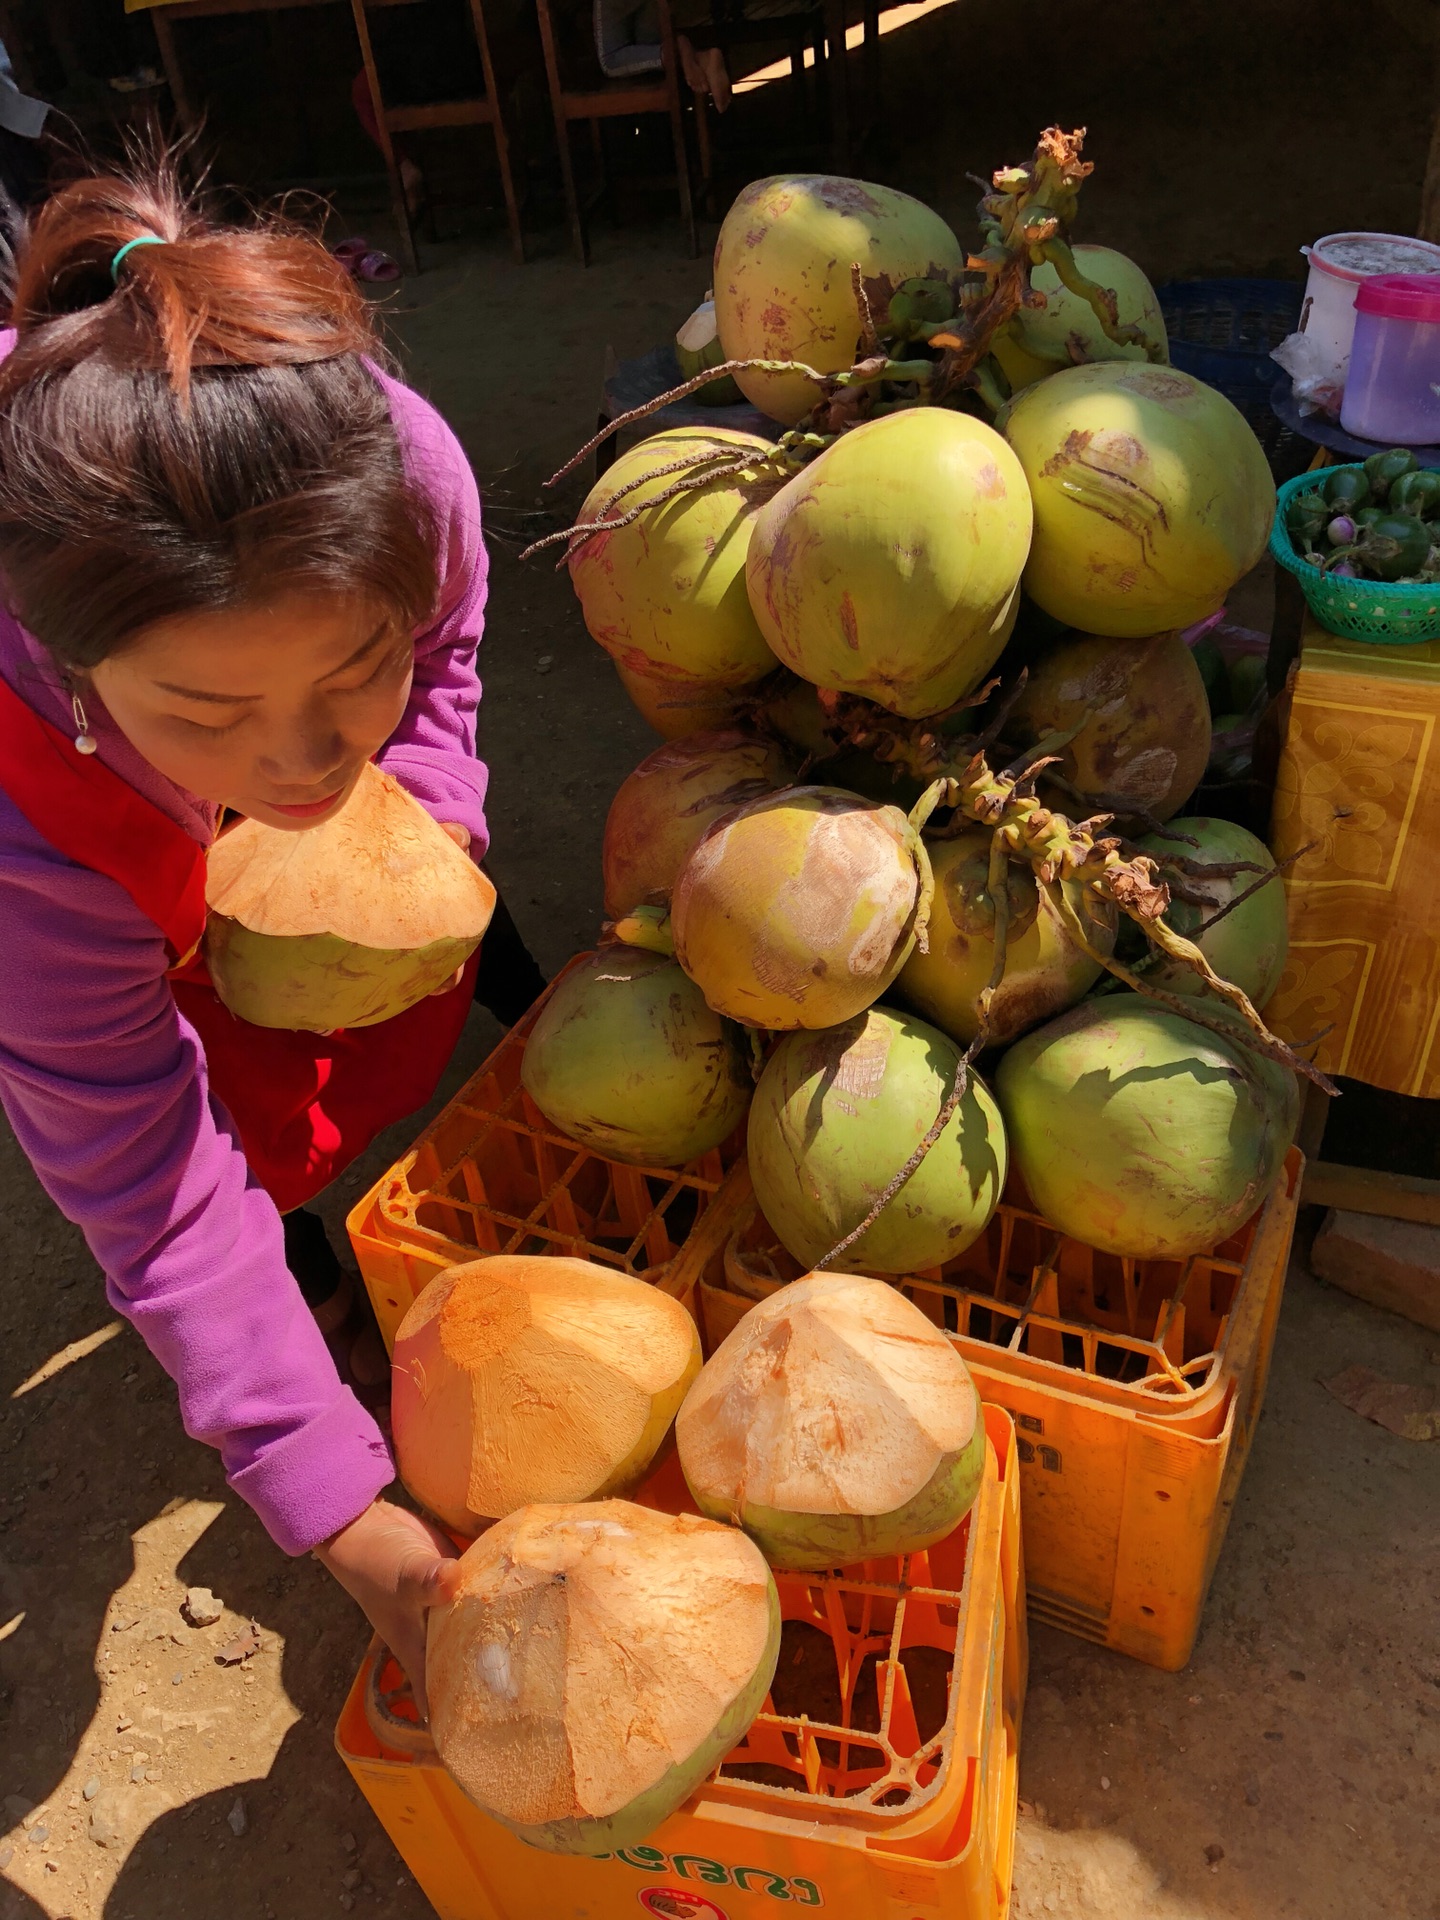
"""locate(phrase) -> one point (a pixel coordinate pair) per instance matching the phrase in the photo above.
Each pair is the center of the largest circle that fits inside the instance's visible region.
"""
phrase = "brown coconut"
(597, 1663)
(672, 708)
(527, 1377)
(1139, 715)
(665, 805)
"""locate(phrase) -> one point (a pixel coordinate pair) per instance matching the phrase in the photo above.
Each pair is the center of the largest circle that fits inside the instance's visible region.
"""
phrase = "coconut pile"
(908, 903)
(912, 883)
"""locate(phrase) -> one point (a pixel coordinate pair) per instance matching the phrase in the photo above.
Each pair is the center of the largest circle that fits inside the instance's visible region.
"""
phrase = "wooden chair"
(580, 90)
(486, 111)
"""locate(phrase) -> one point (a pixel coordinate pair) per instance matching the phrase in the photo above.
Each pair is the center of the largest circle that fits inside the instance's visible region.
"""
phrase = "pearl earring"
(84, 741)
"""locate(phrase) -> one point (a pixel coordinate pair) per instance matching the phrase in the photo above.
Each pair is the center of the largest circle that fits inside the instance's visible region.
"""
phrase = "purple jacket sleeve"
(432, 751)
(105, 1086)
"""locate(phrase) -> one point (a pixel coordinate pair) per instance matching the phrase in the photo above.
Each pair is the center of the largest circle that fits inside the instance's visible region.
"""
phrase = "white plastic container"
(1392, 393)
(1338, 263)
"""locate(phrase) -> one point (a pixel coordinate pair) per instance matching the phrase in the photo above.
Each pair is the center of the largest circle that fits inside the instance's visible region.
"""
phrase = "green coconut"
(1045, 971)
(1136, 714)
(835, 1424)
(1137, 1132)
(835, 1117)
(665, 805)
(799, 909)
(597, 1663)
(665, 596)
(1249, 946)
(1064, 332)
(344, 924)
(783, 288)
(626, 1058)
(1152, 496)
(890, 566)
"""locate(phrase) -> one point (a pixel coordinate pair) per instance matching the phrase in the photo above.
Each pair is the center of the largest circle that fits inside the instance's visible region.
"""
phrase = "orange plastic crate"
(1134, 1385)
(491, 1175)
(879, 1778)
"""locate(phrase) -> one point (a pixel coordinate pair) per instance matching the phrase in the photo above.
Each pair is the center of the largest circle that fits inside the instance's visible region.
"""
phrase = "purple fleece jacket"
(105, 1085)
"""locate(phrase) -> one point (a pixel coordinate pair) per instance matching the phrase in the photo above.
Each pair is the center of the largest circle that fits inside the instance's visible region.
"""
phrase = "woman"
(239, 560)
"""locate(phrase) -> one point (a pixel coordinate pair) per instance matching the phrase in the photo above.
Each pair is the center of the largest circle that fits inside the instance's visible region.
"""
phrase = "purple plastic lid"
(1400, 296)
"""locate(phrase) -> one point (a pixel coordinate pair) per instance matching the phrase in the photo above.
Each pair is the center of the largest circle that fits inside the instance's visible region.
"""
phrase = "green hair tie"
(141, 240)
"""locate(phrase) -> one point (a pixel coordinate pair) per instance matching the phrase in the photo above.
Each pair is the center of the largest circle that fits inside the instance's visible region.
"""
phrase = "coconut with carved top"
(347, 923)
(834, 1424)
(525, 1377)
(597, 1662)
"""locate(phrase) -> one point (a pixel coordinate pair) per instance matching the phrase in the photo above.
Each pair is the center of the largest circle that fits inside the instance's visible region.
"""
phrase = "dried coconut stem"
(998, 883)
(682, 392)
(691, 483)
(1274, 873)
(1258, 1039)
(869, 338)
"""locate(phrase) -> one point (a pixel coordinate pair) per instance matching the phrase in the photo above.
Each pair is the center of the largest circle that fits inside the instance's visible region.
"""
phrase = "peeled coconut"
(674, 708)
(1152, 496)
(627, 1059)
(347, 923)
(597, 1663)
(799, 909)
(834, 1424)
(697, 346)
(1065, 332)
(1045, 971)
(525, 1377)
(1140, 1133)
(890, 566)
(1249, 946)
(665, 805)
(835, 1117)
(783, 289)
(1146, 740)
(666, 595)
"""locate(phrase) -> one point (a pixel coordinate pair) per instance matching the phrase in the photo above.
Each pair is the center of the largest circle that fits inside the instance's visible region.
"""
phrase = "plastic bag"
(1318, 380)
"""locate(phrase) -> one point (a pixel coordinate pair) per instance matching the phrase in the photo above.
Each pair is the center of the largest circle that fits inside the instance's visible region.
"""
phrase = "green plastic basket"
(1386, 614)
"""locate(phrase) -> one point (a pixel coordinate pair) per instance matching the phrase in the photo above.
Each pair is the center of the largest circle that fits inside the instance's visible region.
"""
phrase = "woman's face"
(272, 710)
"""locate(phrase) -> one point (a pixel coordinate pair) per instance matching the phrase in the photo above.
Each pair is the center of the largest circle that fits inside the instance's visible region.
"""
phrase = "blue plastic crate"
(1222, 331)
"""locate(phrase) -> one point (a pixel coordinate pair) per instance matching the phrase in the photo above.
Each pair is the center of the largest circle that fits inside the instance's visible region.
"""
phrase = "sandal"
(364, 262)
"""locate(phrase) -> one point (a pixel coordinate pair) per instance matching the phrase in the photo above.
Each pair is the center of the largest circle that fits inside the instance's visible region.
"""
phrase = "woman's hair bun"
(264, 294)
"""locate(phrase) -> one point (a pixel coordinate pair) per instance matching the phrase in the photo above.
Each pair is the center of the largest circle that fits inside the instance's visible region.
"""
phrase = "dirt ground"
(1292, 1768)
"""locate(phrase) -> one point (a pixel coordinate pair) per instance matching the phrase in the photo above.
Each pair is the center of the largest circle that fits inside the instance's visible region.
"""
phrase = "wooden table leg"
(174, 73)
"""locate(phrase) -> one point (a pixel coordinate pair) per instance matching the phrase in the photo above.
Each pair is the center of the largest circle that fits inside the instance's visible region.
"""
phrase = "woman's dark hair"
(196, 433)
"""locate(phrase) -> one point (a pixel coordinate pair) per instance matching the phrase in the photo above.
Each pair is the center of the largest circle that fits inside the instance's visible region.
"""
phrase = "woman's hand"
(396, 1566)
(461, 836)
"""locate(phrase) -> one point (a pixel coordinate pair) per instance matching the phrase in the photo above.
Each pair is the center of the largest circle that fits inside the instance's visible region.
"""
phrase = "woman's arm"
(432, 751)
(105, 1087)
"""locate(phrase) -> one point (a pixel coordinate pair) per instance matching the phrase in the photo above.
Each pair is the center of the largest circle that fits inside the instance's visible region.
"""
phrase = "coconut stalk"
(1058, 849)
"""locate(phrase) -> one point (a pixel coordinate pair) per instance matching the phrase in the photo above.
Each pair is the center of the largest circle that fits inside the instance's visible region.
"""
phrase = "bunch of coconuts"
(795, 950)
(603, 1655)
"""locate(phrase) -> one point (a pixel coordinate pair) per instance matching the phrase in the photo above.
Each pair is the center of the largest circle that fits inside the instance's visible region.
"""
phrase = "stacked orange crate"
(880, 1777)
(491, 1175)
(1135, 1387)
